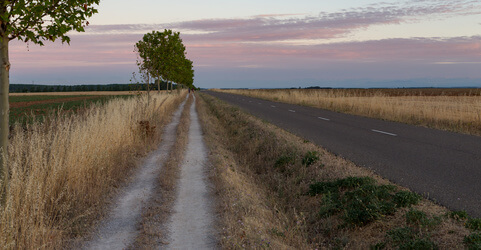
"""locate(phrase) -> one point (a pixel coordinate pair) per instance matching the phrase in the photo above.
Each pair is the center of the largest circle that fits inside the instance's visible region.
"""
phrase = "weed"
(359, 199)
(331, 204)
(277, 233)
(310, 158)
(473, 241)
(474, 224)
(406, 238)
(284, 160)
(420, 219)
(457, 215)
(406, 198)
(400, 235)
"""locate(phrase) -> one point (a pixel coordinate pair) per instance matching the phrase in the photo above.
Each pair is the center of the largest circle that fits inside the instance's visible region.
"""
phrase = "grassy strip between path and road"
(278, 191)
(457, 110)
(62, 172)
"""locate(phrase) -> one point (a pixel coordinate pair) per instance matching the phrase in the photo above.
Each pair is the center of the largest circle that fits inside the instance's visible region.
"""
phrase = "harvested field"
(76, 93)
(457, 110)
(26, 108)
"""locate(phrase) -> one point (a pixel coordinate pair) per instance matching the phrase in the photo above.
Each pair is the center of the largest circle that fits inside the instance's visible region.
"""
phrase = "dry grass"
(454, 110)
(61, 172)
(265, 204)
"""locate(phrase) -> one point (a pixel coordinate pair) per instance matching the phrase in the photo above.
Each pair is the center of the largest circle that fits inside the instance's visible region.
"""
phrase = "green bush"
(310, 158)
(420, 219)
(473, 241)
(358, 199)
(284, 160)
(474, 224)
(458, 215)
(406, 198)
(406, 238)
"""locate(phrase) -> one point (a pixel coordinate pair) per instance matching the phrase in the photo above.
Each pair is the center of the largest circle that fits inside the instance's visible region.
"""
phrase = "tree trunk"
(148, 90)
(158, 85)
(4, 107)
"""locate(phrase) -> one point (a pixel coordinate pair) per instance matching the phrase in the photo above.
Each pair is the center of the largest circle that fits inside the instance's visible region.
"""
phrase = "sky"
(274, 43)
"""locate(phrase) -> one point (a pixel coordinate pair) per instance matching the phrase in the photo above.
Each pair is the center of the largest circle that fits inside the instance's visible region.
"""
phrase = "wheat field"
(460, 112)
(62, 170)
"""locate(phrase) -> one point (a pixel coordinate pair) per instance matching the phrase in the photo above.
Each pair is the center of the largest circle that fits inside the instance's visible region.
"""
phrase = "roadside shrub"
(406, 198)
(358, 199)
(474, 224)
(457, 215)
(473, 241)
(420, 219)
(405, 238)
(310, 158)
(284, 160)
(398, 236)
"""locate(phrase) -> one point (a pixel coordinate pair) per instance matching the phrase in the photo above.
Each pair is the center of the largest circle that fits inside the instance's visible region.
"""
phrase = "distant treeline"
(25, 88)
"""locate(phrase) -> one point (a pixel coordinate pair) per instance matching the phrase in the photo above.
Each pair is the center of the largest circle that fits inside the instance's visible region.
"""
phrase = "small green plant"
(398, 236)
(284, 160)
(421, 219)
(457, 215)
(474, 224)
(473, 241)
(406, 198)
(359, 199)
(405, 238)
(310, 158)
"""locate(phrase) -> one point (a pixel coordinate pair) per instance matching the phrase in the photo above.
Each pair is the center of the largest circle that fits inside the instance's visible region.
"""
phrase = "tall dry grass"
(459, 113)
(62, 171)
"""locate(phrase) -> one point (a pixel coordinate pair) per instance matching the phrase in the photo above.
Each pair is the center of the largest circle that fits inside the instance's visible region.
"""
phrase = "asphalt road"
(442, 166)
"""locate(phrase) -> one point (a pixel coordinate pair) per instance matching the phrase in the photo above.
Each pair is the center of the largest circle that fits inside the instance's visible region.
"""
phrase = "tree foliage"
(162, 57)
(37, 21)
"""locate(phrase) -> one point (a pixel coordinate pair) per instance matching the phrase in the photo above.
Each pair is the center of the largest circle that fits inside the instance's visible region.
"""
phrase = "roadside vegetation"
(62, 171)
(279, 191)
(457, 110)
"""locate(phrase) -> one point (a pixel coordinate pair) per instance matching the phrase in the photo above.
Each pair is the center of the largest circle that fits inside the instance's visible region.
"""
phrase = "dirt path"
(120, 227)
(192, 222)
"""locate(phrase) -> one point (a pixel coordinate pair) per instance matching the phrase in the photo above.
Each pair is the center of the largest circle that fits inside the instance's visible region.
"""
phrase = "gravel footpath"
(120, 228)
(192, 222)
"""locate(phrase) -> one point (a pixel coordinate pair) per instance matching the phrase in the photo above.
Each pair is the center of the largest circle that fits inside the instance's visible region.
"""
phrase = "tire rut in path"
(120, 228)
(192, 223)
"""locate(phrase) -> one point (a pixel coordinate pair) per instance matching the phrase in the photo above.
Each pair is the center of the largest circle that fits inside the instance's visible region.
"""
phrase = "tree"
(162, 57)
(34, 21)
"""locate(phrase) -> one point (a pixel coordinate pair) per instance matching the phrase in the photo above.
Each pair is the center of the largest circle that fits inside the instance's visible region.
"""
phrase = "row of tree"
(161, 58)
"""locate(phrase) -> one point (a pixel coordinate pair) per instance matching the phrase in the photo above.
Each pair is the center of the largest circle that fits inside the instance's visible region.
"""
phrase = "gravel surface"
(192, 222)
(120, 228)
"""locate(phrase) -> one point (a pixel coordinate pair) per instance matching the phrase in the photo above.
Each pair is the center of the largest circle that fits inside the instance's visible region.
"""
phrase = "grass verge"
(63, 171)
(278, 191)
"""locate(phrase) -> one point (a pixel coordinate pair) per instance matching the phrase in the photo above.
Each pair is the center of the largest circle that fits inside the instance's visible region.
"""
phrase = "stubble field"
(457, 110)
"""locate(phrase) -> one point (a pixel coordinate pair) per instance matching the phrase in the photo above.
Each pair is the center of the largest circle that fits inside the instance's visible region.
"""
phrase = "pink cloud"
(256, 42)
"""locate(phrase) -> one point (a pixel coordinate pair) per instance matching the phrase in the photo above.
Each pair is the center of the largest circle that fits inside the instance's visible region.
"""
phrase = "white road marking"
(325, 119)
(273, 106)
(293, 111)
(382, 132)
